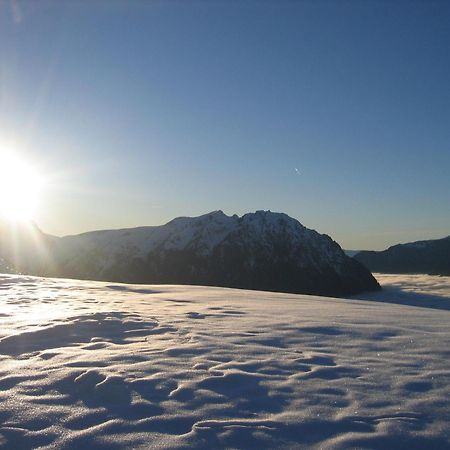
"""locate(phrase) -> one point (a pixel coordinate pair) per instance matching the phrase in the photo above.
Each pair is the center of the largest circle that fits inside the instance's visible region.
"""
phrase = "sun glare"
(20, 187)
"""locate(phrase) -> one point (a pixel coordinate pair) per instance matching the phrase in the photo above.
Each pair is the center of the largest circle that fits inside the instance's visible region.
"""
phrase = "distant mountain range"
(430, 257)
(262, 250)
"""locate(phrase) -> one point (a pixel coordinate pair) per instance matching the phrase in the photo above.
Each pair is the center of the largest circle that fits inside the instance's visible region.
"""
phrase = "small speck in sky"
(297, 171)
(16, 12)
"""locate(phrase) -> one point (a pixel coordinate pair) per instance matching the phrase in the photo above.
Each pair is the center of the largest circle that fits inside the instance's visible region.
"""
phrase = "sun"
(20, 188)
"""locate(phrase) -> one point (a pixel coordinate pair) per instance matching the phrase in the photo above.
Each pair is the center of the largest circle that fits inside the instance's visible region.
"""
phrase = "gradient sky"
(336, 113)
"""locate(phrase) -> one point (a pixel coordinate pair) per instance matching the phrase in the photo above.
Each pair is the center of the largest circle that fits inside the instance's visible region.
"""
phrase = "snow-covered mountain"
(262, 250)
(430, 257)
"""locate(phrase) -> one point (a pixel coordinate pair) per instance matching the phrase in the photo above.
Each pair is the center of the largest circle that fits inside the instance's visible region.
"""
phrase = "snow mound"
(113, 366)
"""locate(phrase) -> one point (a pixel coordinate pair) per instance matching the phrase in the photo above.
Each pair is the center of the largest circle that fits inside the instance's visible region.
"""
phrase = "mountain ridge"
(262, 250)
(430, 256)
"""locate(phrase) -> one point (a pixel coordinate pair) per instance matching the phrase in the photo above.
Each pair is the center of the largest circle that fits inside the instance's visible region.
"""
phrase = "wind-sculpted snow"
(111, 366)
(426, 291)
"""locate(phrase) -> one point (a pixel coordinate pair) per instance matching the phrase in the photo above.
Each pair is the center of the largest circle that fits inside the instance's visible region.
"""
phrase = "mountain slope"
(262, 250)
(24, 248)
(431, 257)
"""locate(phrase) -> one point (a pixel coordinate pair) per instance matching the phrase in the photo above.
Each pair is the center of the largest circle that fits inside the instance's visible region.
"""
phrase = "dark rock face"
(430, 257)
(262, 250)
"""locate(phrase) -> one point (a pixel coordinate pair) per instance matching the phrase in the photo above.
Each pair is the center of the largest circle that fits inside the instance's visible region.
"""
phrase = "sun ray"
(20, 188)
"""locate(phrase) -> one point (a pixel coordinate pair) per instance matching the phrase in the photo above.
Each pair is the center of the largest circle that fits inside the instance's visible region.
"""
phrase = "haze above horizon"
(138, 112)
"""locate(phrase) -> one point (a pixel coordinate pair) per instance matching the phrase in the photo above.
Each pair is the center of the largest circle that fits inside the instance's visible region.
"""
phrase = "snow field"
(109, 366)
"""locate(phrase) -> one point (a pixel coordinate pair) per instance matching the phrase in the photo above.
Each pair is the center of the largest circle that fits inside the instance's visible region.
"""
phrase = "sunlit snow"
(93, 365)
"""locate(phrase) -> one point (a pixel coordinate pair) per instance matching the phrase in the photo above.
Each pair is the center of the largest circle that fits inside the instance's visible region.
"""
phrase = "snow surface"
(427, 291)
(93, 365)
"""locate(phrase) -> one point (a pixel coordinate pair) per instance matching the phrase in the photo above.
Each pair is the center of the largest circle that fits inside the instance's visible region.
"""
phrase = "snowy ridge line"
(262, 250)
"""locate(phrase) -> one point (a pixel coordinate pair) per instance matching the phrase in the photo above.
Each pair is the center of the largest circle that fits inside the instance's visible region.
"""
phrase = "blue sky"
(138, 112)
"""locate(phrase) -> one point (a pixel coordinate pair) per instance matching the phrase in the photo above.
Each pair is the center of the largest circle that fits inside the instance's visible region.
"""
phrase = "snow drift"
(112, 366)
